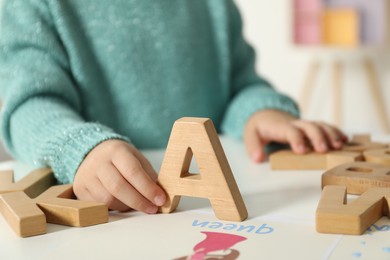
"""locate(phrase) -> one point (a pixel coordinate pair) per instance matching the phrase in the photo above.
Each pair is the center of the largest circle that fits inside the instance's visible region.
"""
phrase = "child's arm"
(266, 114)
(42, 115)
(250, 93)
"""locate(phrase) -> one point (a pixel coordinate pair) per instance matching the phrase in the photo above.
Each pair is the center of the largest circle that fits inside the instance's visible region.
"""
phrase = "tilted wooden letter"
(28, 217)
(197, 137)
(370, 180)
(336, 217)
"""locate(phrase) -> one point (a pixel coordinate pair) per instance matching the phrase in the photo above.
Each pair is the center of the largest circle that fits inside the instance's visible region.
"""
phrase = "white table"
(281, 223)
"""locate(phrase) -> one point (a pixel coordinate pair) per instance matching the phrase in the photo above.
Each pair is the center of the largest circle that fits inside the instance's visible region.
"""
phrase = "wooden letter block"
(358, 177)
(371, 181)
(288, 160)
(22, 214)
(28, 217)
(351, 152)
(336, 217)
(361, 143)
(60, 207)
(197, 137)
(381, 156)
(33, 184)
(337, 158)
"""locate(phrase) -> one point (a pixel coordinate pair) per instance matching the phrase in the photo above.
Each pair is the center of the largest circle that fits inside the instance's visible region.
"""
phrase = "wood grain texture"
(60, 207)
(197, 137)
(334, 159)
(288, 160)
(335, 216)
(22, 214)
(369, 180)
(28, 216)
(32, 184)
(361, 143)
(380, 156)
(358, 177)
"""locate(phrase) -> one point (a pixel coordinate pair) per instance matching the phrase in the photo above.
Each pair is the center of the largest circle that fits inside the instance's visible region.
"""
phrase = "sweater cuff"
(251, 100)
(71, 146)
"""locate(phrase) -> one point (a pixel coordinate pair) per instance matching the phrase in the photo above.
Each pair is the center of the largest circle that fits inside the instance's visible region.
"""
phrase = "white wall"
(268, 28)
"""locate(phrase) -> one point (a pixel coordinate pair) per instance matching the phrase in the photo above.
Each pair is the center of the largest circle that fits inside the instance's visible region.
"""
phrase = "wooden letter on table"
(361, 143)
(197, 137)
(288, 160)
(28, 217)
(33, 184)
(350, 152)
(370, 180)
(358, 177)
(381, 156)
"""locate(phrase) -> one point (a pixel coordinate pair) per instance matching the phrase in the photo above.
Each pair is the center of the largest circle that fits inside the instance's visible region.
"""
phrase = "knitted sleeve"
(41, 120)
(250, 93)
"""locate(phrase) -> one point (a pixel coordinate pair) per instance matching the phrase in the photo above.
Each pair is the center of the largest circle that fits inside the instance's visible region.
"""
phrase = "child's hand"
(272, 125)
(117, 174)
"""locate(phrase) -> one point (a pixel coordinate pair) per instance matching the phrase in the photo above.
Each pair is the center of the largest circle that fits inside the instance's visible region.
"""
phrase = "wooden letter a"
(197, 137)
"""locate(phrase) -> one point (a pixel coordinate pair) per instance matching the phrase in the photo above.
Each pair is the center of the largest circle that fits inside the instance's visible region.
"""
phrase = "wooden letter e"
(197, 137)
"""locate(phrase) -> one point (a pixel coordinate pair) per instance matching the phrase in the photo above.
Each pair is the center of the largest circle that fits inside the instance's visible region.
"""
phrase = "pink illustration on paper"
(216, 246)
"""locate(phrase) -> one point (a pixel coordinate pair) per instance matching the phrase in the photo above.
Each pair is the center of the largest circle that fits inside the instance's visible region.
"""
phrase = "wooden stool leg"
(337, 85)
(309, 85)
(375, 90)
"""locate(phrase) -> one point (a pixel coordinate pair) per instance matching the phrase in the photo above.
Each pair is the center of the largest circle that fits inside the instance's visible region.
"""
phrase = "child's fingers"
(97, 192)
(296, 139)
(315, 134)
(254, 144)
(118, 187)
(146, 165)
(131, 169)
(333, 135)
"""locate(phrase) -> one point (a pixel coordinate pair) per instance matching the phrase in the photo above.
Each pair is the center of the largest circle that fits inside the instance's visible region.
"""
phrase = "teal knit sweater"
(74, 73)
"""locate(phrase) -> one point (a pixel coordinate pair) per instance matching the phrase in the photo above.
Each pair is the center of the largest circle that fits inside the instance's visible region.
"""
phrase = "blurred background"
(332, 56)
(270, 26)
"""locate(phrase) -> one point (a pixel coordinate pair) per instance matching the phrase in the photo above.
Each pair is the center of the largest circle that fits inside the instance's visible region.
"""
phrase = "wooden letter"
(28, 217)
(60, 207)
(381, 156)
(288, 160)
(336, 217)
(22, 214)
(197, 137)
(361, 143)
(337, 158)
(358, 177)
(33, 184)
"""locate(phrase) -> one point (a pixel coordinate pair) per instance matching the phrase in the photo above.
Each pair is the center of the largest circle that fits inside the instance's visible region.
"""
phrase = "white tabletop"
(281, 223)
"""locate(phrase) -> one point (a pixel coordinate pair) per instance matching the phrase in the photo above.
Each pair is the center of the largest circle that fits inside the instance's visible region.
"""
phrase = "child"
(86, 82)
